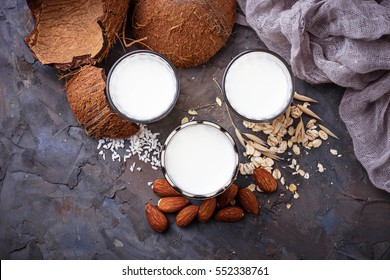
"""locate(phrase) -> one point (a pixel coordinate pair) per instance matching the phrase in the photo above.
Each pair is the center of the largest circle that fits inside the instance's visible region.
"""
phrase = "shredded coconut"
(145, 146)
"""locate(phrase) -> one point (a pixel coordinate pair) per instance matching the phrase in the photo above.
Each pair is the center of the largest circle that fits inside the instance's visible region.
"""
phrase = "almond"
(157, 220)
(172, 204)
(229, 214)
(265, 180)
(206, 209)
(248, 201)
(162, 188)
(227, 196)
(186, 215)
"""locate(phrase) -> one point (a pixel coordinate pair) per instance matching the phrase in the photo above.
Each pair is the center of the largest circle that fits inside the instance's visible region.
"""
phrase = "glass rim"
(177, 188)
(124, 116)
(281, 60)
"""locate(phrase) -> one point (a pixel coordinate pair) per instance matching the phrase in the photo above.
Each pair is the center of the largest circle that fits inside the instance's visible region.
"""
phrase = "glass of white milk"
(258, 85)
(142, 86)
(200, 159)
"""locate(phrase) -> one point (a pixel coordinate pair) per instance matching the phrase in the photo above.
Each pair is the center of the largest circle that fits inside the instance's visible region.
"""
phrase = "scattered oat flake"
(320, 167)
(241, 168)
(184, 120)
(219, 101)
(292, 188)
(277, 174)
(269, 162)
(296, 150)
(323, 135)
(291, 131)
(282, 181)
(306, 176)
(311, 123)
(288, 205)
(192, 112)
(252, 187)
(295, 112)
(150, 183)
(296, 195)
(317, 143)
(250, 150)
(139, 168)
(333, 152)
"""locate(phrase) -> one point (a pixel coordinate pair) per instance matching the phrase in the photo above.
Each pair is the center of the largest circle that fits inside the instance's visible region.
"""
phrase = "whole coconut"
(188, 32)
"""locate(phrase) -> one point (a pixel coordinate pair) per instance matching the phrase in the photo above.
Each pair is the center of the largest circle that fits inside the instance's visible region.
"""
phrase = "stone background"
(60, 200)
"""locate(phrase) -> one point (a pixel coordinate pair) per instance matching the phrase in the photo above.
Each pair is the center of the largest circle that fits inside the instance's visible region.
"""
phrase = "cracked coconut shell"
(188, 32)
(70, 33)
(87, 99)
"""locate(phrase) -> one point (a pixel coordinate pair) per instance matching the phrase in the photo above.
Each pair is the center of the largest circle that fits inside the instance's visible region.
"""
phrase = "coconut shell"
(188, 32)
(70, 33)
(87, 99)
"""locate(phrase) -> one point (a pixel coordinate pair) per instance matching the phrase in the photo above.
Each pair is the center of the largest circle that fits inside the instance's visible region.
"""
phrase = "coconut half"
(70, 33)
(188, 32)
(87, 99)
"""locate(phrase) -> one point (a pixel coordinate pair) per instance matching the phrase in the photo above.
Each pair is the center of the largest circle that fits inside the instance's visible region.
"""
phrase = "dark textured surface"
(59, 200)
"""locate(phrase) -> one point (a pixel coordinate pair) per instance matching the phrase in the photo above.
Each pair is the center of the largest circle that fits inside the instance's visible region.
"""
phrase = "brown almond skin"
(227, 196)
(186, 215)
(163, 189)
(265, 180)
(206, 209)
(248, 201)
(156, 219)
(172, 204)
(229, 214)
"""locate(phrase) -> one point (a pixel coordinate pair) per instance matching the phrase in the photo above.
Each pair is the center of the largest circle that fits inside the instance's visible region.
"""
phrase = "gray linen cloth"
(344, 42)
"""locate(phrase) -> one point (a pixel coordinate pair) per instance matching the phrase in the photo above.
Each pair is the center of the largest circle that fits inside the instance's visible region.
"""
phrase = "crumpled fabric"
(344, 42)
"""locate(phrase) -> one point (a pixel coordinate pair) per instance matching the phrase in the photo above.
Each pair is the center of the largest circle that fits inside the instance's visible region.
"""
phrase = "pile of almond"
(227, 207)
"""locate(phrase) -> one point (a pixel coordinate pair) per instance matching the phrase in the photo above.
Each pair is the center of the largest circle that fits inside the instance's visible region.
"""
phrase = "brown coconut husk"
(70, 33)
(87, 99)
(188, 32)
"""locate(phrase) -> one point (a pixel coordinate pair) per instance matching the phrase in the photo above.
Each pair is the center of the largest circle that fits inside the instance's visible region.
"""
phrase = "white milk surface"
(200, 159)
(143, 86)
(258, 86)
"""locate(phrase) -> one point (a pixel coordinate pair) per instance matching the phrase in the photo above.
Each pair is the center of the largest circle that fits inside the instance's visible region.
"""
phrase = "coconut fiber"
(87, 99)
(344, 42)
(188, 32)
(70, 33)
